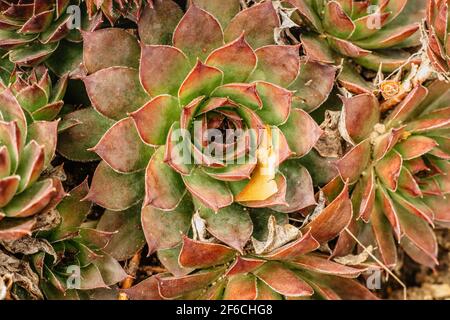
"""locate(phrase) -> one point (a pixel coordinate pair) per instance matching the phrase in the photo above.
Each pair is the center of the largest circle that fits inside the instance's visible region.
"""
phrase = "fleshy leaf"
(202, 80)
(32, 200)
(321, 264)
(127, 237)
(294, 250)
(172, 287)
(382, 231)
(145, 290)
(419, 235)
(164, 229)
(45, 134)
(388, 170)
(242, 93)
(74, 142)
(212, 193)
(283, 280)
(162, 69)
(415, 146)
(155, 118)
(197, 34)
(332, 220)
(196, 254)
(271, 70)
(336, 21)
(115, 91)
(73, 212)
(116, 191)
(236, 59)
(353, 164)
(122, 149)
(241, 287)
(364, 106)
(313, 85)
(300, 124)
(300, 191)
(224, 11)
(164, 187)
(112, 47)
(276, 103)
(231, 225)
(158, 21)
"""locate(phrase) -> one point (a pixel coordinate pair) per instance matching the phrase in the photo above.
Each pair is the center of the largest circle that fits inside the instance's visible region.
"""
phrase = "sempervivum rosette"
(38, 96)
(399, 168)
(161, 100)
(438, 36)
(114, 9)
(280, 264)
(362, 30)
(32, 30)
(26, 150)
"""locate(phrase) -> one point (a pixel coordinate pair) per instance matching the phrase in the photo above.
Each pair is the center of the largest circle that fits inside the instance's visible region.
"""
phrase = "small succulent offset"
(399, 168)
(28, 143)
(39, 97)
(361, 30)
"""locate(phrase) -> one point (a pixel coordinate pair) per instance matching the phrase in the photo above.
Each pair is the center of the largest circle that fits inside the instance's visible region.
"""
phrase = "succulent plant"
(281, 263)
(27, 148)
(37, 95)
(438, 36)
(31, 30)
(203, 88)
(77, 266)
(114, 9)
(361, 30)
(399, 168)
(201, 128)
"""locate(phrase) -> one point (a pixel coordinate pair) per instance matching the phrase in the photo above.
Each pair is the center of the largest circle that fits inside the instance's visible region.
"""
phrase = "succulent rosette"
(399, 171)
(27, 148)
(438, 36)
(281, 263)
(75, 264)
(361, 30)
(159, 99)
(114, 9)
(39, 97)
(32, 30)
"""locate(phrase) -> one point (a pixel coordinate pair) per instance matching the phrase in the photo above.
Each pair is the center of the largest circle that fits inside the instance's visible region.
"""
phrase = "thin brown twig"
(133, 267)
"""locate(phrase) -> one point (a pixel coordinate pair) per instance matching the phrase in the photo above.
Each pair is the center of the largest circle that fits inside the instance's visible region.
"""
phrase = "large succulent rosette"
(153, 96)
(438, 36)
(399, 169)
(362, 30)
(27, 148)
